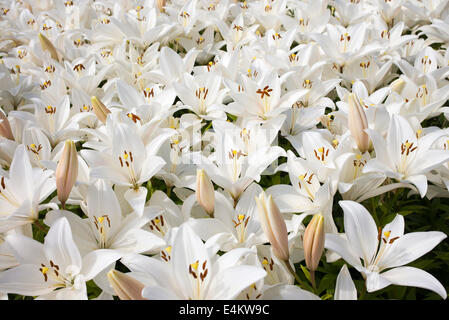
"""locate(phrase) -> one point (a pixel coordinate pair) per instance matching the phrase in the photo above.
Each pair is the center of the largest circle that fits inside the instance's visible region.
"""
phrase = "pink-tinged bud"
(5, 128)
(126, 287)
(205, 194)
(48, 46)
(313, 242)
(66, 171)
(100, 110)
(357, 123)
(161, 5)
(273, 225)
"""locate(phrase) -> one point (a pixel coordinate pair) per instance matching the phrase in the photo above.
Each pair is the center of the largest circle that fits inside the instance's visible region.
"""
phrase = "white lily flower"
(232, 226)
(241, 154)
(22, 191)
(372, 251)
(192, 272)
(106, 227)
(405, 155)
(56, 264)
(128, 163)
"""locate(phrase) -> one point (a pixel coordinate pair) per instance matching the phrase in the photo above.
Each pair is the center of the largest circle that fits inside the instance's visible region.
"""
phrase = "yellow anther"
(335, 142)
(168, 249)
(321, 150)
(234, 152)
(253, 286)
(265, 261)
(254, 58)
(211, 63)
(32, 146)
(44, 270)
(387, 234)
(346, 34)
(157, 220)
(85, 107)
(426, 57)
(407, 144)
(194, 265)
(125, 156)
(49, 108)
(100, 219)
(176, 141)
(301, 177)
(241, 217)
(293, 55)
(358, 156)
(418, 132)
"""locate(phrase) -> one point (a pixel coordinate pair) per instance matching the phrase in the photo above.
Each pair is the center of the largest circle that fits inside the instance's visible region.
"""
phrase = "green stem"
(362, 294)
(312, 279)
(289, 267)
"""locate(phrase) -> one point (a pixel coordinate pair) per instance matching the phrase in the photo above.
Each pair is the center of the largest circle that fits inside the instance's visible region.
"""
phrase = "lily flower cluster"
(206, 149)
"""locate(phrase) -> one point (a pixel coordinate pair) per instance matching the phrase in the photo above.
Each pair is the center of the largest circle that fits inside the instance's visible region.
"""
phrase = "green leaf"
(306, 272)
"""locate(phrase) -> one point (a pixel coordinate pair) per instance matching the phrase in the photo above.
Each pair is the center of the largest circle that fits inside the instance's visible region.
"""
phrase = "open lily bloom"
(232, 227)
(20, 199)
(106, 227)
(241, 154)
(405, 155)
(380, 254)
(57, 263)
(128, 164)
(192, 272)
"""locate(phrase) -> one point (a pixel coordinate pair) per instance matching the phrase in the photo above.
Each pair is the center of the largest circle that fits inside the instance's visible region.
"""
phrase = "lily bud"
(5, 128)
(273, 225)
(48, 46)
(126, 287)
(66, 171)
(314, 242)
(397, 85)
(357, 123)
(161, 5)
(100, 110)
(205, 194)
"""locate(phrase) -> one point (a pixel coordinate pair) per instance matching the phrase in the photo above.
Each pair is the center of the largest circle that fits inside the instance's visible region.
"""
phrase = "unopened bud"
(66, 171)
(313, 242)
(5, 128)
(126, 287)
(161, 5)
(273, 224)
(48, 46)
(205, 194)
(357, 123)
(397, 85)
(100, 110)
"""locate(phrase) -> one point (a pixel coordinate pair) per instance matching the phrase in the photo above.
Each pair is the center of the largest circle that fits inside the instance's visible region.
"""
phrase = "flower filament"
(102, 228)
(199, 272)
(240, 224)
(304, 182)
